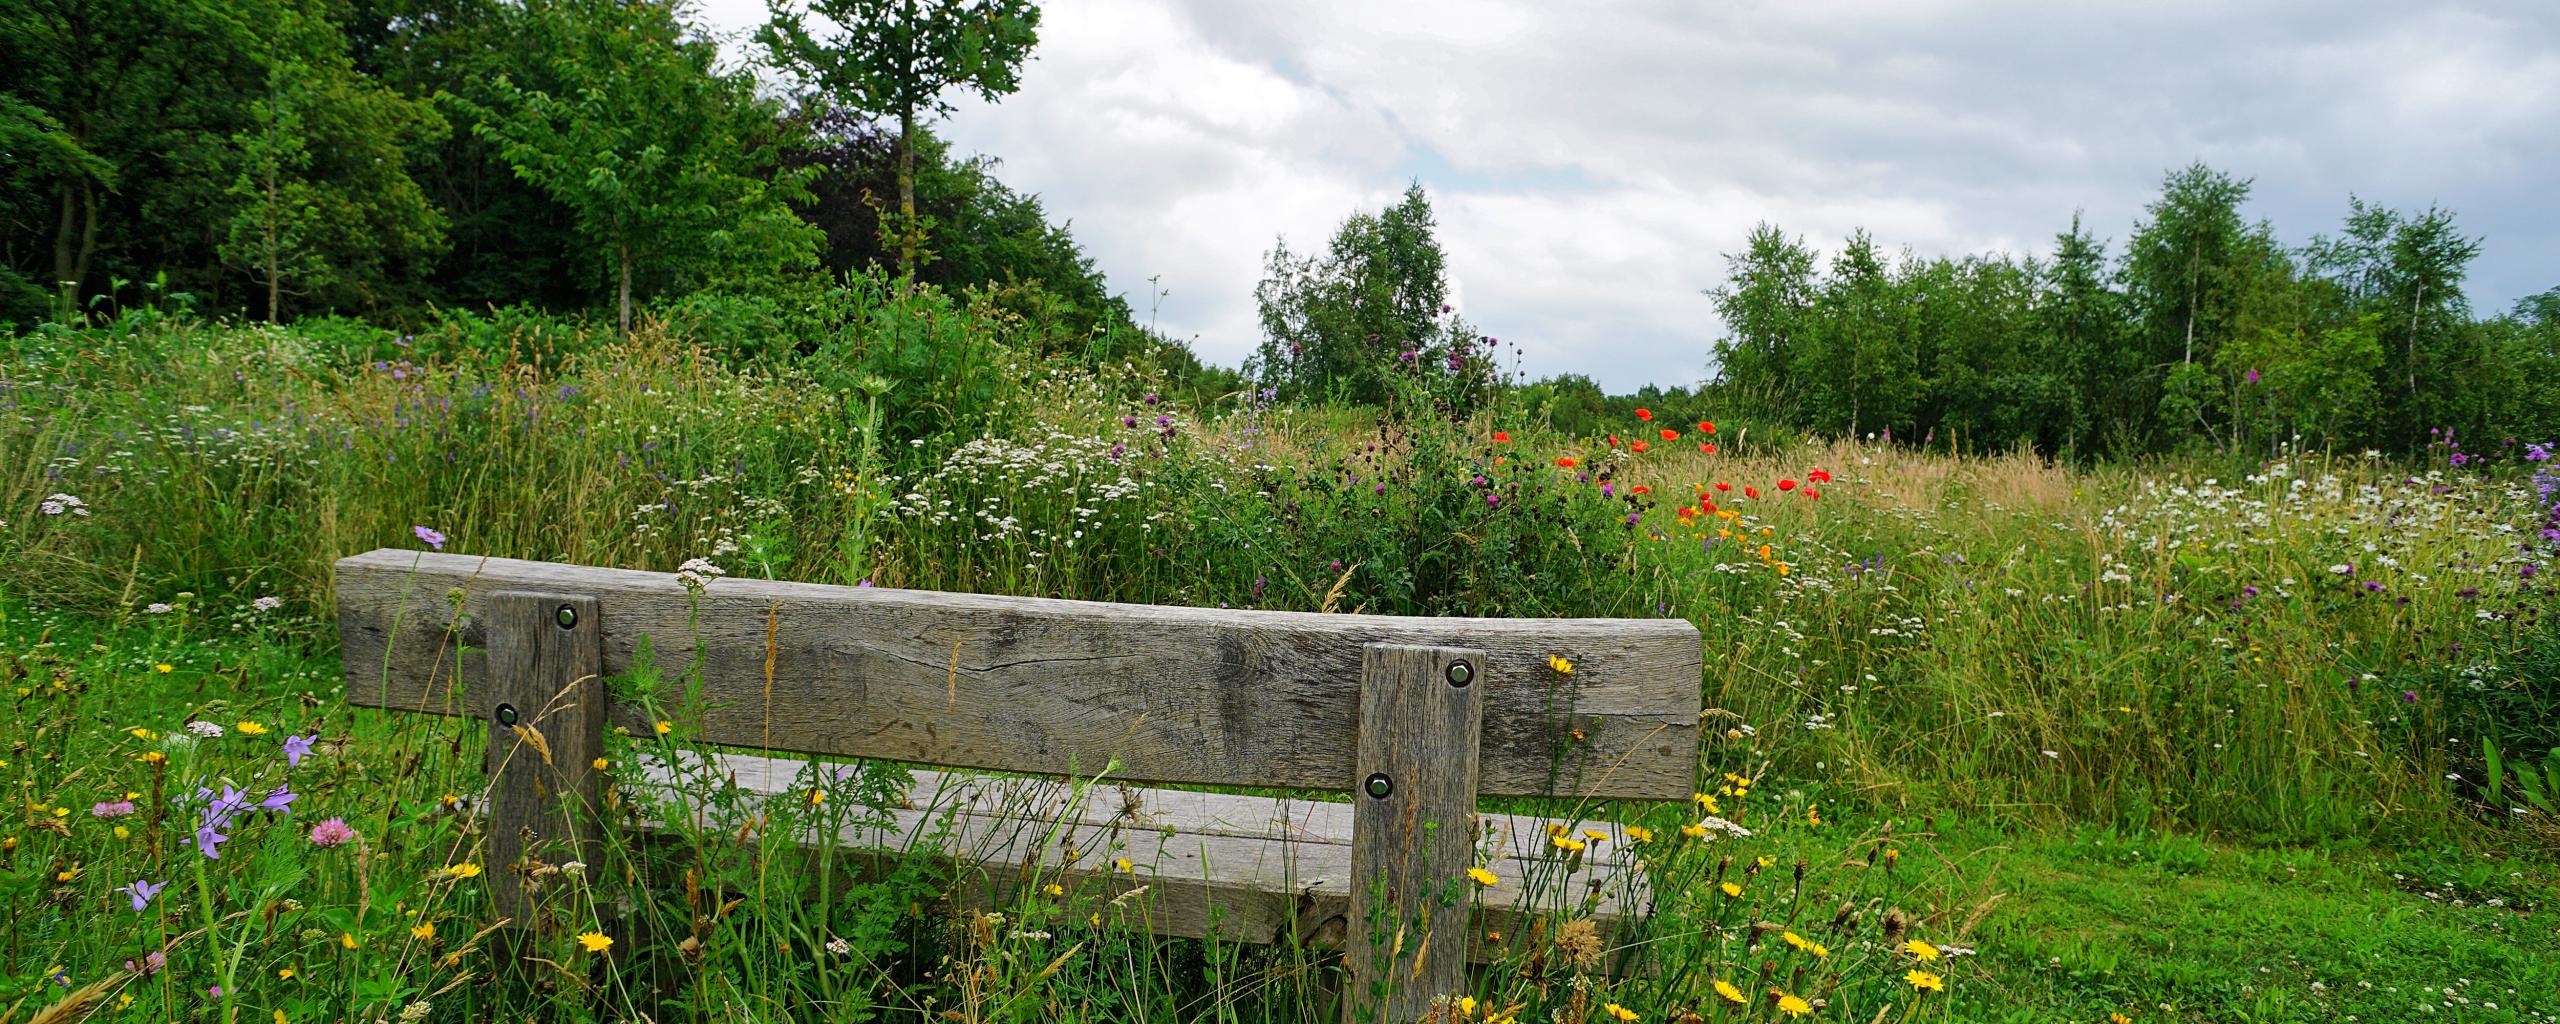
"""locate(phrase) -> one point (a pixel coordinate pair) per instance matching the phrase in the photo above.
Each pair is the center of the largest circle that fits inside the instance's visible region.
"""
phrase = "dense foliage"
(2204, 334)
(284, 159)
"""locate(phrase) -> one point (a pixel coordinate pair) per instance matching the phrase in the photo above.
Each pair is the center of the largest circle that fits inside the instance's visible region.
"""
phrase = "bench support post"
(545, 706)
(1413, 829)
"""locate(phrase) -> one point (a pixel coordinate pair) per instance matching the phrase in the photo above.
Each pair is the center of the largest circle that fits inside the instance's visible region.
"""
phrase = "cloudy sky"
(1591, 163)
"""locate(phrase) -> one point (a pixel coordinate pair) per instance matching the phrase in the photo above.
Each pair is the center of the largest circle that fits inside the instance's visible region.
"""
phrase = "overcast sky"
(1590, 163)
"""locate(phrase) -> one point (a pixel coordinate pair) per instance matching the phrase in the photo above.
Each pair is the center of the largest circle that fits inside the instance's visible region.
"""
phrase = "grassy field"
(2195, 741)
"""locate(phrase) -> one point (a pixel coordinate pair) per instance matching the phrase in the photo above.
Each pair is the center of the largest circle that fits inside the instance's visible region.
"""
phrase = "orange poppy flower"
(1638, 447)
(1639, 489)
(1565, 462)
(1613, 440)
(1669, 434)
(1751, 492)
(1645, 414)
(1707, 448)
(1502, 437)
(1705, 427)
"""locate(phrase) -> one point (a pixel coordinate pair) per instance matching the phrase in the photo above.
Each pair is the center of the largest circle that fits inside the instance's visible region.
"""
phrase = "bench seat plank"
(1248, 868)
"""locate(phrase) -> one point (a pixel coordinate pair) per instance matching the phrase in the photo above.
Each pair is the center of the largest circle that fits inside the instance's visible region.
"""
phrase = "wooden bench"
(1415, 718)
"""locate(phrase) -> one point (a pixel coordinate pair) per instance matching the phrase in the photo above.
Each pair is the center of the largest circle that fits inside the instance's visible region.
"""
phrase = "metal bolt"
(568, 617)
(506, 714)
(1380, 786)
(1460, 674)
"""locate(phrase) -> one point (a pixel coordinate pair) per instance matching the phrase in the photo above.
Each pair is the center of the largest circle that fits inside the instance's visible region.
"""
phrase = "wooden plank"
(545, 708)
(1201, 875)
(1179, 695)
(1413, 828)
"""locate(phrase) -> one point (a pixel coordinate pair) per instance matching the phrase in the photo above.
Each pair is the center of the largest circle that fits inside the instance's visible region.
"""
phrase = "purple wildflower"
(280, 800)
(150, 965)
(2251, 376)
(111, 809)
(142, 892)
(333, 832)
(2408, 696)
(429, 537)
(207, 839)
(298, 747)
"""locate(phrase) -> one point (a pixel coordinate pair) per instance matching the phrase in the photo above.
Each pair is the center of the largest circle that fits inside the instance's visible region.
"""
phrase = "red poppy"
(1706, 427)
(1638, 447)
(1687, 512)
(1751, 492)
(1565, 462)
(1707, 448)
(1706, 506)
(1786, 485)
(1639, 489)
(1820, 476)
(1723, 486)
(1811, 493)
(1645, 415)
(1613, 440)
(1502, 437)
(1669, 434)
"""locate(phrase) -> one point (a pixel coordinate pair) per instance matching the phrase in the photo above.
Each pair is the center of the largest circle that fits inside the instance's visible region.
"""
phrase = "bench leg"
(1412, 829)
(545, 706)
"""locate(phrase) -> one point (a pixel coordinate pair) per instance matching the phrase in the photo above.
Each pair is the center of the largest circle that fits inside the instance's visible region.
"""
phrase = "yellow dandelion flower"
(347, 939)
(423, 930)
(1617, 1012)
(1920, 951)
(1054, 889)
(1924, 981)
(1569, 844)
(1124, 865)
(1793, 1005)
(1731, 889)
(1639, 833)
(1595, 835)
(153, 757)
(284, 973)
(600, 764)
(595, 942)
(1730, 994)
(140, 733)
(164, 667)
(463, 870)
(1707, 802)
(252, 728)
(1562, 666)
(1483, 877)
(123, 832)
(665, 727)
(71, 873)
(817, 796)
(1694, 831)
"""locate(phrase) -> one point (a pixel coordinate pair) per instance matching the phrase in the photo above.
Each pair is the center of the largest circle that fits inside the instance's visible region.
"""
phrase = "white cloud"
(1590, 163)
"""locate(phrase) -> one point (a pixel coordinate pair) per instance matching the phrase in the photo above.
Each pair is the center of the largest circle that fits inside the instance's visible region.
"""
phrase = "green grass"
(2184, 721)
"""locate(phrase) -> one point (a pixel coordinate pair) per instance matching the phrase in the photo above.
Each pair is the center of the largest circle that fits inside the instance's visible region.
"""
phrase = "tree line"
(2202, 333)
(383, 158)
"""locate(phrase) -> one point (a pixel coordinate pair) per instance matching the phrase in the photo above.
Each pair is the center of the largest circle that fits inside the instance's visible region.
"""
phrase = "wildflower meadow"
(1989, 737)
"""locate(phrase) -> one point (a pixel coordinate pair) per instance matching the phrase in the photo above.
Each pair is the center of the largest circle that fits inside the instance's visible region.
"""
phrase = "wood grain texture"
(1413, 826)
(1176, 695)
(1245, 869)
(545, 707)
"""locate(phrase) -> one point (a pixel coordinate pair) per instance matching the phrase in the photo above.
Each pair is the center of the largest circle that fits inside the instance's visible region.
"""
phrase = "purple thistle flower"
(142, 892)
(429, 537)
(2408, 696)
(2251, 376)
(296, 748)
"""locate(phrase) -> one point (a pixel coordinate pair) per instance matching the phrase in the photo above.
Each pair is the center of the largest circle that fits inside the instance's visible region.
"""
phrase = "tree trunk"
(907, 192)
(625, 304)
(273, 286)
(66, 281)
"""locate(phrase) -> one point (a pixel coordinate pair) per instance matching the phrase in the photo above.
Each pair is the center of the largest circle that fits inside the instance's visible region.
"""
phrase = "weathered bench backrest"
(1417, 716)
(1178, 695)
